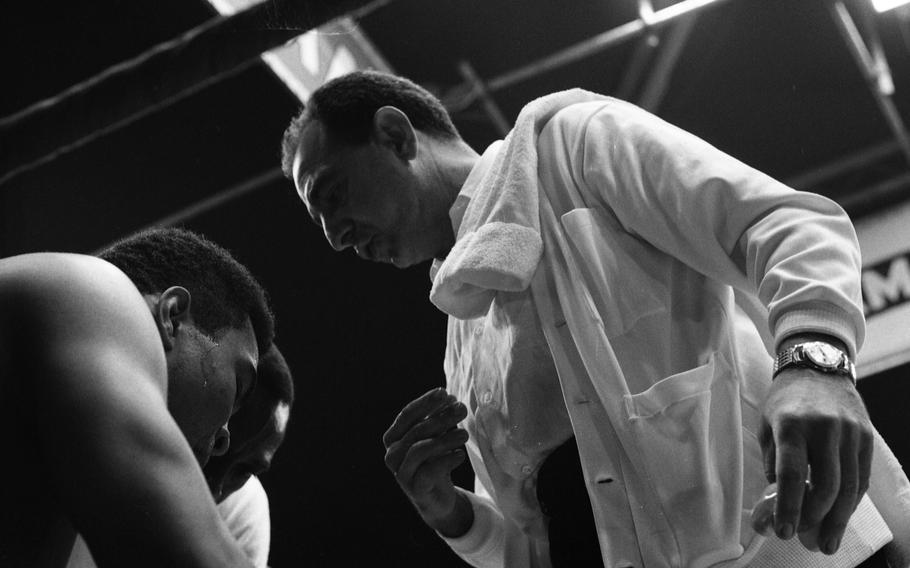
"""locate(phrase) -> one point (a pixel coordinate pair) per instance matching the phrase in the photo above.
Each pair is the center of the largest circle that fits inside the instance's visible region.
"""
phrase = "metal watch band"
(794, 356)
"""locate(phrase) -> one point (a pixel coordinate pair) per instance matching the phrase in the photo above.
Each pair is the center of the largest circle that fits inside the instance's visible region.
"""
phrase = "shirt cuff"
(819, 318)
(485, 537)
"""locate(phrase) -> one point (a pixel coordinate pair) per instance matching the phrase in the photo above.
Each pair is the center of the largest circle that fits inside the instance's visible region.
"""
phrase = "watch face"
(823, 354)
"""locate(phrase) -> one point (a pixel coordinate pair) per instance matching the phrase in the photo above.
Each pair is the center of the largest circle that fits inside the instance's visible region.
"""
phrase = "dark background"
(770, 82)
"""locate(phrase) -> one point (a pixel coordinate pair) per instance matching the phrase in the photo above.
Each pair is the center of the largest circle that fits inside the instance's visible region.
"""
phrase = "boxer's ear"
(171, 309)
(393, 129)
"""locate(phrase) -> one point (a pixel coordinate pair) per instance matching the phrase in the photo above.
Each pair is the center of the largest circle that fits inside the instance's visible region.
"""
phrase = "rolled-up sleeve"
(483, 545)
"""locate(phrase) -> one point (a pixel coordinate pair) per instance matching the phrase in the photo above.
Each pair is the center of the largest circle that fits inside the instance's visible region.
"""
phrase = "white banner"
(885, 243)
(317, 56)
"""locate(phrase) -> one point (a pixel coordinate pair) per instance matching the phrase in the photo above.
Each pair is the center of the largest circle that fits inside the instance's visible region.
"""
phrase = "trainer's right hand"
(423, 446)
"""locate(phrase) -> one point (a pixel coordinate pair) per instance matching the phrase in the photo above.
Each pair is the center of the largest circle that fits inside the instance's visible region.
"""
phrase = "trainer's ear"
(171, 309)
(392, 128)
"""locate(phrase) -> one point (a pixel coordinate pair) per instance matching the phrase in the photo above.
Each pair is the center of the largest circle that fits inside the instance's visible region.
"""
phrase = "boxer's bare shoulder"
(79, 349)
(55, 303)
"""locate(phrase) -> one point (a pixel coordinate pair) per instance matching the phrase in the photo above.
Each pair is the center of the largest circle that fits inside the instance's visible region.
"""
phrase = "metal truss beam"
(874, 68)
(658, 82)
(601, 41)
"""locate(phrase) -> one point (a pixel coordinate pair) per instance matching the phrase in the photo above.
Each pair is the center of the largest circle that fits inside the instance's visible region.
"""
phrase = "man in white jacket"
(617, 285)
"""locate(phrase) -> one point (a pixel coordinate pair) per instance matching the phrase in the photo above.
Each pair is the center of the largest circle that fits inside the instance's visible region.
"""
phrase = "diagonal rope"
(157, 78)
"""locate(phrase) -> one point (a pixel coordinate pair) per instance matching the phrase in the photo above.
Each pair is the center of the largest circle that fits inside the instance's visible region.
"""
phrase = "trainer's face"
(208, 379)
(365, 197)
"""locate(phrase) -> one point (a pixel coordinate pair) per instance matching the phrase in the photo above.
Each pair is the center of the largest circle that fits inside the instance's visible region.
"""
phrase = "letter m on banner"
(885, 243)
(886, 284)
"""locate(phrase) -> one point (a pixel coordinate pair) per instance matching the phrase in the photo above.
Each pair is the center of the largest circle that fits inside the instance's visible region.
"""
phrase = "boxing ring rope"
(227, 44)
(159, 77)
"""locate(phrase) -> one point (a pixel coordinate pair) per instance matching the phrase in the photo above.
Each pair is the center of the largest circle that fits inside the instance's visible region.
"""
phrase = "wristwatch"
(816, 355)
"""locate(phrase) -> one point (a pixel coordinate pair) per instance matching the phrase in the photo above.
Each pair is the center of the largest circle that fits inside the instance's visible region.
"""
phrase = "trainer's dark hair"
(223, 292)
(346, 105)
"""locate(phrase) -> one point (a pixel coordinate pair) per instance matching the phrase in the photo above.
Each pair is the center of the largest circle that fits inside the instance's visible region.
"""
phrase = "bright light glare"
(885, 5)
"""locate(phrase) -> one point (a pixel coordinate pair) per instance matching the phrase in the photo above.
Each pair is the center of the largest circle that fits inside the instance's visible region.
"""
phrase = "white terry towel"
(498, 245)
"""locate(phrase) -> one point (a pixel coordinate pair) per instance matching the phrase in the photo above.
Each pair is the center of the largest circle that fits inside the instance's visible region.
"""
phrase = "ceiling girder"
(875, 70)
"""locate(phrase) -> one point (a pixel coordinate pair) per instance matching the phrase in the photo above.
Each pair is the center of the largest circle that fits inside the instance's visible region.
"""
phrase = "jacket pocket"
(687, 432)
(626, 275)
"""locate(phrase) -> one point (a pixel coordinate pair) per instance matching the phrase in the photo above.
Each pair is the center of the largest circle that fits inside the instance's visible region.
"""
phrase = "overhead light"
(885, 5)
